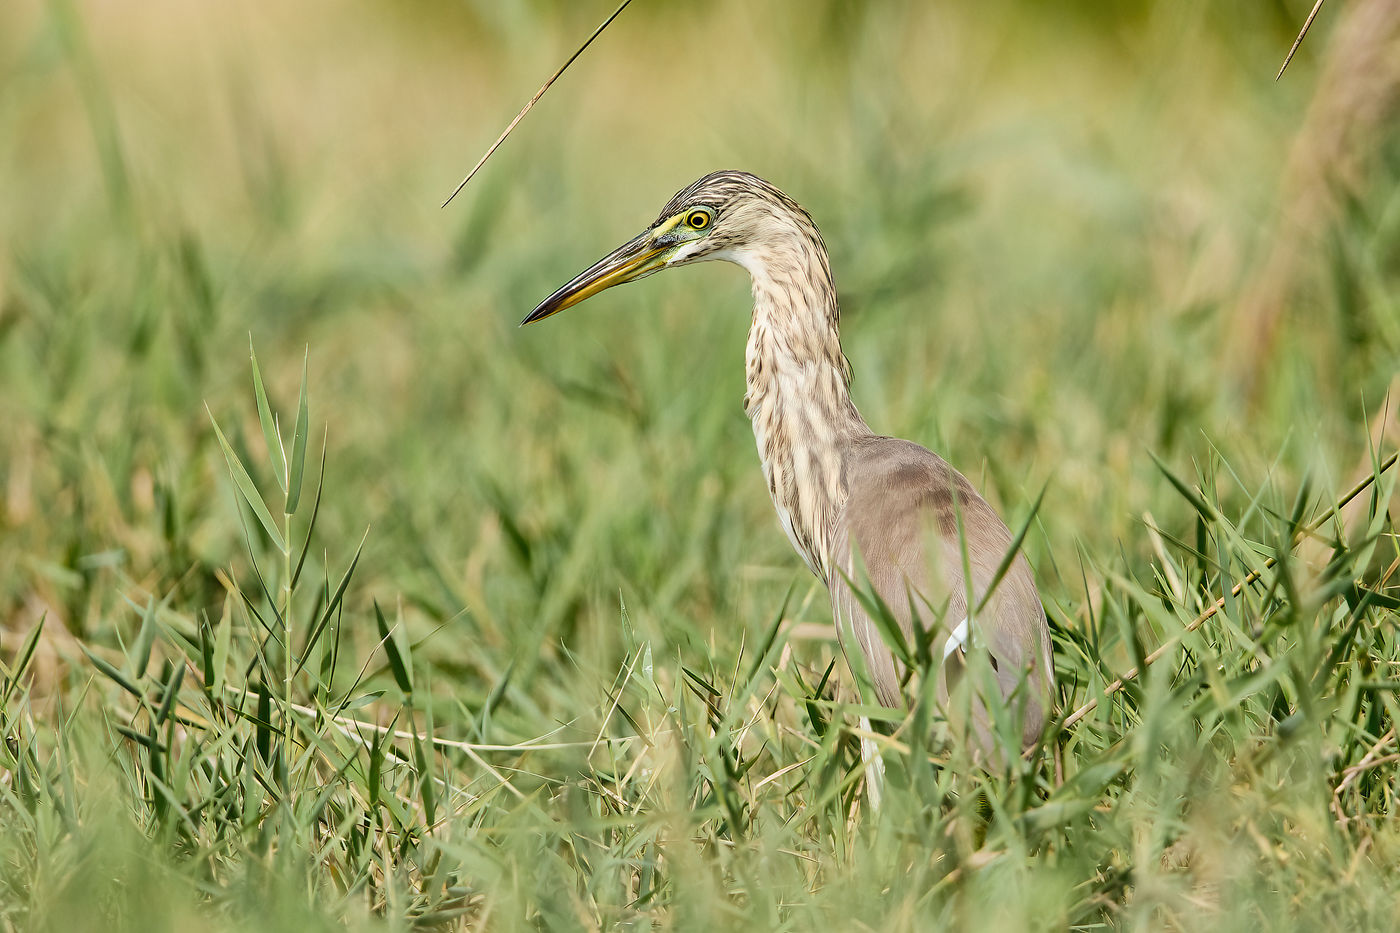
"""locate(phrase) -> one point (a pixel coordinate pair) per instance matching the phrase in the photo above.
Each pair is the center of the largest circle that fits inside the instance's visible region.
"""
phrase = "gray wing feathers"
(899, 529)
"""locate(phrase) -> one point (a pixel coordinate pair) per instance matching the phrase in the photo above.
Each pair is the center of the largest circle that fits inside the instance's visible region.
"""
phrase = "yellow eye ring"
(697, 220)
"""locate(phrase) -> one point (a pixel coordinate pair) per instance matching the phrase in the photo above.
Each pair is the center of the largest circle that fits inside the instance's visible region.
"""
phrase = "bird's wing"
(900, 530)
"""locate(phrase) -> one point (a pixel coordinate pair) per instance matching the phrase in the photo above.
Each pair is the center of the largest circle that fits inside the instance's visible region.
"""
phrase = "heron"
(861, 509)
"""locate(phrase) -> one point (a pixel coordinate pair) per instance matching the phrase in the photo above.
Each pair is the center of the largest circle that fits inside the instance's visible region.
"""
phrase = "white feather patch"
(874, 767)
(958, 639)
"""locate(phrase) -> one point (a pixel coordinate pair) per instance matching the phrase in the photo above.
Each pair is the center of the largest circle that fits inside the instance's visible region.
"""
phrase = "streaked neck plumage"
(798, 394)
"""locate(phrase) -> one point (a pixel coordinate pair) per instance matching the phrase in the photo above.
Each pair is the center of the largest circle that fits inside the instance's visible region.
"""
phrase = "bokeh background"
(1069, 239)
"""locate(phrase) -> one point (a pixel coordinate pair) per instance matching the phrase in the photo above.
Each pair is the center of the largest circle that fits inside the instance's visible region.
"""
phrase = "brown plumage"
(855, 505)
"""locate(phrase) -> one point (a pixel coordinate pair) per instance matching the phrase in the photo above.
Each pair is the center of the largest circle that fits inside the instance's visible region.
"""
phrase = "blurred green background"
(1068, 237)
(1041, 219)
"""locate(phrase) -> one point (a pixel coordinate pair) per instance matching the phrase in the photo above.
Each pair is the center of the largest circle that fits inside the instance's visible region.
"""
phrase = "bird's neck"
(799, 392)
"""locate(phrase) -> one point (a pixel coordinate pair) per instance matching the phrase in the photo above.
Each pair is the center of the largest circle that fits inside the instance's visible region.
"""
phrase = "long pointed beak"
(631, 261)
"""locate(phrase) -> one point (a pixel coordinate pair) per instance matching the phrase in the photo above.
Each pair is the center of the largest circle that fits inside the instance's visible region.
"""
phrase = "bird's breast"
(801, 463)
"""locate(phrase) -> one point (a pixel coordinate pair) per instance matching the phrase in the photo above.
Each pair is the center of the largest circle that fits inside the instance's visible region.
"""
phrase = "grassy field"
(431, 622)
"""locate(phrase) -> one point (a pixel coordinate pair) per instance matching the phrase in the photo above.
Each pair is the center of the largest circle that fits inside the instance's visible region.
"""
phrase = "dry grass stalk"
(1357, 97)
(529, 105)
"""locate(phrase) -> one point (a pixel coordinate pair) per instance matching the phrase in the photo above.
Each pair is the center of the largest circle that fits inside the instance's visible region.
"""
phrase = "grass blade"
(298, 443)
(26, 654)
(330, 607)
(248, 488)
(423, 760)
(222, 638)
(315, 511)
(1206, 511)
(112, 673)
(398, 662)
(1012, 551)
(271, 435)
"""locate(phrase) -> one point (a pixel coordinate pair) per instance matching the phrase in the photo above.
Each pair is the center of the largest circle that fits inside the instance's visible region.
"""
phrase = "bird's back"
(909, 523)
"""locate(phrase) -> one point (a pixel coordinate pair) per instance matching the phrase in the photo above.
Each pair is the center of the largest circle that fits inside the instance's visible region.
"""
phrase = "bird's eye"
(698, 220)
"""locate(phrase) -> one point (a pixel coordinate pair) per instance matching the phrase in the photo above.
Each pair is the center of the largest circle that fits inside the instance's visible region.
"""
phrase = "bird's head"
(724, 215)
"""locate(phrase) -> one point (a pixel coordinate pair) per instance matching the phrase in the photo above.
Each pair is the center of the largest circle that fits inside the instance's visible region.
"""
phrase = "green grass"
(552, 664)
